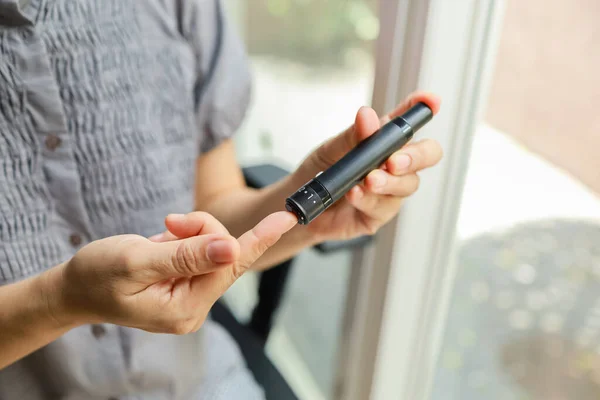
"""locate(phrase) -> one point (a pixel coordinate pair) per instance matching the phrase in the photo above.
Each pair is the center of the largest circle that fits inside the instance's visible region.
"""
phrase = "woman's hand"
(375, 201)
(364, 210)
(165, 286)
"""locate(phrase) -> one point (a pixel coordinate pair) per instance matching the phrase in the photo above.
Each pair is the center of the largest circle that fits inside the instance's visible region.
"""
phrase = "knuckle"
(430, 151)
(241, 267)
(370, 226)
(197, 325)
(415, 183)
(371, 229)
(185, 258)
(258, 245)
(181, 327)
(128, 259)
(198, 322)
(262, 245)
(238, 270)
(420, 156)
(268, 243)
(437, 149)
(409, 184)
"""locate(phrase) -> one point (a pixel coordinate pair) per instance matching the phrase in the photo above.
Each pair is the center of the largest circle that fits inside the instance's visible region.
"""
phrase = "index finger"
(433, 101)
(265, 234)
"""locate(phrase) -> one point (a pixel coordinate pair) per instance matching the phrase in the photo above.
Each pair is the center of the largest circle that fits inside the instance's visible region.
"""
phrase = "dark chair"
(251, 345)
(272, 283)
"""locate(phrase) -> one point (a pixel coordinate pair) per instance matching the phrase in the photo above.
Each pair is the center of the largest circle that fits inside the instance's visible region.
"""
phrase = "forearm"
(242, 208)
(27, 322)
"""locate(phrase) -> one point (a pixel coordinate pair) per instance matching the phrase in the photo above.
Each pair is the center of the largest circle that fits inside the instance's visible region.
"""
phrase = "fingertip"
(366, 123)
(363, 110)
(174, 218)
(436, 151)
(284, 220)
(400, 162)
(292, 219)
(175, 222)
(376, 180)
(366, 114)
(432, 100)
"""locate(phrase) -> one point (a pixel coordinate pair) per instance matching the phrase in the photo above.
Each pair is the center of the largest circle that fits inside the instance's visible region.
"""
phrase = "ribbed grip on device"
(308, 202)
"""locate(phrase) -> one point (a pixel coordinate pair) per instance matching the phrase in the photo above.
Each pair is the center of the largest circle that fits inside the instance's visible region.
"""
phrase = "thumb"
(193, 256)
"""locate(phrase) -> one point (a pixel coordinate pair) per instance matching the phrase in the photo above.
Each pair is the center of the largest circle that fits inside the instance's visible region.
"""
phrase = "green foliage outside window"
(311, 31)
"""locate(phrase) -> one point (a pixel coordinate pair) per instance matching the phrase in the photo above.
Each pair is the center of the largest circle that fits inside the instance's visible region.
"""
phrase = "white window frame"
(400, 286)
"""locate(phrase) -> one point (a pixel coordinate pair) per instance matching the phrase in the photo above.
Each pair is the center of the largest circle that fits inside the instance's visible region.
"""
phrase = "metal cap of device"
(417, 116)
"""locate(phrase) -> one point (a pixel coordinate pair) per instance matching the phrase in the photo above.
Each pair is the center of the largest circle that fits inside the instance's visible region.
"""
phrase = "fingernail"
(176, 217)
(402, 161)
(219, 251)
(379, 179)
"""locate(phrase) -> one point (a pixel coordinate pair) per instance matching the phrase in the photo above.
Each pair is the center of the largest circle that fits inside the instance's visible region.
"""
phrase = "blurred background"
(524, 319)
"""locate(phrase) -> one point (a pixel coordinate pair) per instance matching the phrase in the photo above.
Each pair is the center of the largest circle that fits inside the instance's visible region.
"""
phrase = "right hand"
(166, 287)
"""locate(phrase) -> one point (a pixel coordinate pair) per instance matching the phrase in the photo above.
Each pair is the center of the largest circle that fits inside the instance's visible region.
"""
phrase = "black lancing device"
(321, 192)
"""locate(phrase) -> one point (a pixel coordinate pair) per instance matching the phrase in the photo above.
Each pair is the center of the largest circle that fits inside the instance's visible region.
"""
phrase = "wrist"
(54, 299)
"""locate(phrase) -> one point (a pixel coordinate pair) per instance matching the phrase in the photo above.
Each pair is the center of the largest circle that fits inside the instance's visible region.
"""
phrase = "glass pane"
(313, 68)
(524, 321)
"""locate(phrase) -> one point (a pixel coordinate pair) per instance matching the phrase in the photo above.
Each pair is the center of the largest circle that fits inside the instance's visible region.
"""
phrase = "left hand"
(375, 201)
